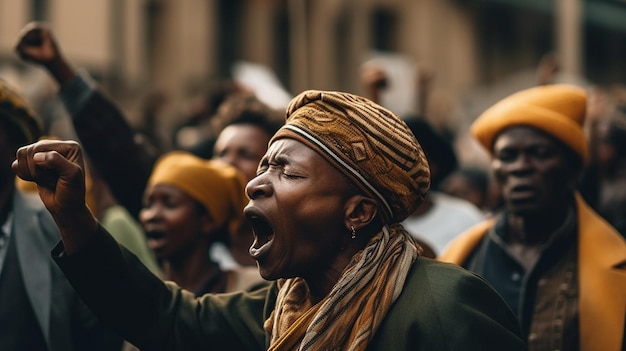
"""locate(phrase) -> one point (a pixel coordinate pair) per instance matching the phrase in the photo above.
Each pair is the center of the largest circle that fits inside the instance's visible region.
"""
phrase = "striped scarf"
(349, 316)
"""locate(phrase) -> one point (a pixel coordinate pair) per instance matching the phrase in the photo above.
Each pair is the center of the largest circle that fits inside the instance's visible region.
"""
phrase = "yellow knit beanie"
(558, 110)
(215, 184)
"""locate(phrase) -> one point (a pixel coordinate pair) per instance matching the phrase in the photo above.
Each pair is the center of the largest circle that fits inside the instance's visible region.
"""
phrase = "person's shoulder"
(443, 288)
(443, 282)
(461, 247)
(29, 207)
(449, 307)
(433, 269)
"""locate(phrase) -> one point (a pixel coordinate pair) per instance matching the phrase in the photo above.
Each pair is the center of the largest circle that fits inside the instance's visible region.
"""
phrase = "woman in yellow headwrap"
(190, 202)
(326, 206)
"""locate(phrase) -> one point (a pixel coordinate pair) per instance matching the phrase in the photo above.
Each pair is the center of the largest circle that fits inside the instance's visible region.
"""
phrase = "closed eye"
(263, 165)
(261, 170)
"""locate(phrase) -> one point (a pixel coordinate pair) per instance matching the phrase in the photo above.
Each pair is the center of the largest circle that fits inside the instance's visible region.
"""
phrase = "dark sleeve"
(109, 141)
(89, 334)
(157, 315)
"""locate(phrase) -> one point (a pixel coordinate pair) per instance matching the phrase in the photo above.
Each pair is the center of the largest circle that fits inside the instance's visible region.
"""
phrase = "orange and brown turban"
(558, 110)
(215, 184)
(369, 144)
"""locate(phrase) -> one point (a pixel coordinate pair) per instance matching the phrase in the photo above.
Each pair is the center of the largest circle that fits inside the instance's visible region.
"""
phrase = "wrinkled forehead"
(292, 151)
(297, 157)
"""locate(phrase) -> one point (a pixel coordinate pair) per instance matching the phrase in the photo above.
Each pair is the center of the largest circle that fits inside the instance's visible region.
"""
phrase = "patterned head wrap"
(15, 111)
(215, 184)
(372, 146)
(558, 110)
(377, 151)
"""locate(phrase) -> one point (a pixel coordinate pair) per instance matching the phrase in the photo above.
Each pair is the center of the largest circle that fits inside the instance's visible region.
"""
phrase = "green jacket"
(442, 307)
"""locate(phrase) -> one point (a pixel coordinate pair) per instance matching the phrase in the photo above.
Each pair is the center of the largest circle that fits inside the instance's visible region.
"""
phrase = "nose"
(521, 165)
(258, 187)
(149, 214)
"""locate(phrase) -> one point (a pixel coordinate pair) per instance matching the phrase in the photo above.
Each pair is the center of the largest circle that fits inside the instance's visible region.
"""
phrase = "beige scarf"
(351, 313)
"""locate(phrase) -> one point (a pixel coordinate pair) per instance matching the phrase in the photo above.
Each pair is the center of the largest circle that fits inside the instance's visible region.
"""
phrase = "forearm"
(116, 287)
(153, 315)
(108, 140)
(60, 70)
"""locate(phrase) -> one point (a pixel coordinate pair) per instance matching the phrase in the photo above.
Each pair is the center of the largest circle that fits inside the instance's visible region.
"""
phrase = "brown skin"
(310, 208)
(58, 169)
(242, 145)
(179, 231)
(173, 221)
(537, 180)
(37, 44)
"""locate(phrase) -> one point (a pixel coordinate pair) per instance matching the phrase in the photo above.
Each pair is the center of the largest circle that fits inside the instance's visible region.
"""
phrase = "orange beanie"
(215, 184)
(558, 110)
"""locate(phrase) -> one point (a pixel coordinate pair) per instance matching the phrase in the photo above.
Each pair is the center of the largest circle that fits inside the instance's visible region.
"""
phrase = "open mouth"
(155, 235)
(263, 235)
(522, 192)
(156, 239)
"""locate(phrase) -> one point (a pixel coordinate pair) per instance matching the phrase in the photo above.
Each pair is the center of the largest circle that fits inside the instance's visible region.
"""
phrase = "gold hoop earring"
(353, 232)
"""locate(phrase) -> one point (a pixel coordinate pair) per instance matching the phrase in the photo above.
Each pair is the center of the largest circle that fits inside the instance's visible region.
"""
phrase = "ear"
(360, 211)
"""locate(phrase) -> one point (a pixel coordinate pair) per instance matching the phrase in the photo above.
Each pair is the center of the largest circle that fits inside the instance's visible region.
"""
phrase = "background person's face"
(297, 212)
(242, 145)
(532, 170)
(172, 221)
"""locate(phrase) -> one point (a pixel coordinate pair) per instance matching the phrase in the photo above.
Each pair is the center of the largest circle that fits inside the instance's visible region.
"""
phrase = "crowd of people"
(332, 225)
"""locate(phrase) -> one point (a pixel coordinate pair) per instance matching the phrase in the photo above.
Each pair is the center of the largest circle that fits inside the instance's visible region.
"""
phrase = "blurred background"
(446, 60)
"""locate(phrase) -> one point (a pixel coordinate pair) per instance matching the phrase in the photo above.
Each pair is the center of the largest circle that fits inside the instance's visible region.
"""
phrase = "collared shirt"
(5, 233)
(544, 298)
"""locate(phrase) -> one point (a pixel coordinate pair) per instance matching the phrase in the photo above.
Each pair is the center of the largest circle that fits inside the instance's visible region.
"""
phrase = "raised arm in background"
(102, 129)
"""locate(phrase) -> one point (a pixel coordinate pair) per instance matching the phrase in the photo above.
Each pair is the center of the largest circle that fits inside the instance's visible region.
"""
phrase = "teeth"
(256, 252)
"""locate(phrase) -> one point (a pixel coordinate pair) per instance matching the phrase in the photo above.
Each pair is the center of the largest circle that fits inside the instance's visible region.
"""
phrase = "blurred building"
(467, 46)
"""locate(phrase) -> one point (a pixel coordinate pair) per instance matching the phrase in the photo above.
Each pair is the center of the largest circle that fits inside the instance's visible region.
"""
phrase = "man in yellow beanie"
(560, 267)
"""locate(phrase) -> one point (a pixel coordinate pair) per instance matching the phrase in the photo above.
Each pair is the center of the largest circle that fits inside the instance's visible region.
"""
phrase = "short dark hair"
(438, 149)
(248, 109)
